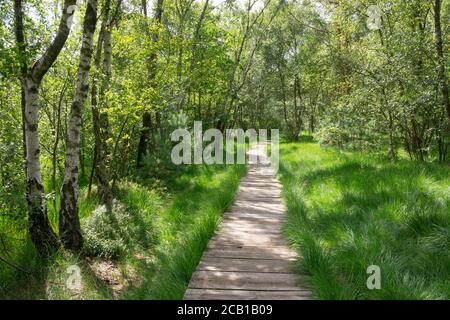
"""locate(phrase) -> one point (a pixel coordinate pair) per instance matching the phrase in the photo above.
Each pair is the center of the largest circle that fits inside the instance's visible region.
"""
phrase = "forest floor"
(167, 229)
(349, 210)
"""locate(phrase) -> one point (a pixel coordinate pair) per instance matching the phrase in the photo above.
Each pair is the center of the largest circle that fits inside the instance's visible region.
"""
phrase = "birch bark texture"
(41, 232)
(69, 222)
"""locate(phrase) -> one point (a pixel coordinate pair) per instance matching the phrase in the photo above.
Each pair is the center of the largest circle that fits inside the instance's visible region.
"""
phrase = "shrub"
(348, 138)
(107, 234)
(333, 136)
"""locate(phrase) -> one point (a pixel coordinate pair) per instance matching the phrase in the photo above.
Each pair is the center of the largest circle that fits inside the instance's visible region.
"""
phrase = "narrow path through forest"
(248, 257)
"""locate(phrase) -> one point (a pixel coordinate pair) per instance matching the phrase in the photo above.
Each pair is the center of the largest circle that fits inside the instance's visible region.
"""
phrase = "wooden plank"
(259, 199)
(252, 174)
(269, 182)
(256, 219)
(261, 175)
(261, 169)
(263, 183)
(261, 186)
(240, 211)
(260, 191)
(244, 265)
(249, 252)
(244, 280)
(244, 229)
(252, 207)
(274, 248)
(236, 238)
(217, 294)
(257, 193)
(266, 219)
(261, 216)
(259, 196)
(260, 179)
(270, 225)
(269, 173)
(258, 187)
(267, 225)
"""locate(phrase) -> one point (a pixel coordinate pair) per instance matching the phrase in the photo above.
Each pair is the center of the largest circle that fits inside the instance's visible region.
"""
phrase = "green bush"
(333, 136)
(351, 139)
(107, 234)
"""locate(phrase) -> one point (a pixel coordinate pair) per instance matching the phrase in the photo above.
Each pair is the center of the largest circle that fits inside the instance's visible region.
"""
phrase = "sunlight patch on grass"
(347, 211)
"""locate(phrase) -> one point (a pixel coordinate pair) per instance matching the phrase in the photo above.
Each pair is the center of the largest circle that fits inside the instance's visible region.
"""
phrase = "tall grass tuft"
(347, 211)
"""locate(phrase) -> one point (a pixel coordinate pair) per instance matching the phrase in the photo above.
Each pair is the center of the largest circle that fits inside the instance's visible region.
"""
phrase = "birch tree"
(20, 40)
(41, 232)
(69, 223)
(100, 103)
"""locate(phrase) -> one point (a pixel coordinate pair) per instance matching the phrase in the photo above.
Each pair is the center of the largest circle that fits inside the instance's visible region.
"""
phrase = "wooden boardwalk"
(248, 257)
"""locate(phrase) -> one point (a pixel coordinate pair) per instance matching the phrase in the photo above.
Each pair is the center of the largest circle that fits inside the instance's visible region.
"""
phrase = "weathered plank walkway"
(248, 257)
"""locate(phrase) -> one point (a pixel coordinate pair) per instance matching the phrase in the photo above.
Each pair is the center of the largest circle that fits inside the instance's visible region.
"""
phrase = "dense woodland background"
(86, 114)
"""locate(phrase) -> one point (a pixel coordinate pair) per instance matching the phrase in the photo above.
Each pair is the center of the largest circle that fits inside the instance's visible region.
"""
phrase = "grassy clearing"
(157, 240)
(348, 211)
(184, 229)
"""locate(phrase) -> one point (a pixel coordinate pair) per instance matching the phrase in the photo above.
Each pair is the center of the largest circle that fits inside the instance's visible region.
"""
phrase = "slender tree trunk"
(116, 148)
(182, 9)
(55, 153)
(82, 152)
(180, 60)
(20, 40)
(144, 138)
(91, 175)
(295, 99)
(57, 121)
(151, 67)
(392, 147)
(312, 123)
(441, 59)
(99, 104)
(41, 232)
(194, 46)
(69, 222)
(297, 107)
(285, 111)
(199, 106)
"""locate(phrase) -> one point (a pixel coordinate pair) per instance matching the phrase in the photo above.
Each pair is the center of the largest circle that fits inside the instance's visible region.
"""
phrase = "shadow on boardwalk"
(248, 257)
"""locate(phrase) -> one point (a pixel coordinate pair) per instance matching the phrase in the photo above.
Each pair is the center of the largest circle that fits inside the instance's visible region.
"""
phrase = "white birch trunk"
(42, 235)
(69, 222)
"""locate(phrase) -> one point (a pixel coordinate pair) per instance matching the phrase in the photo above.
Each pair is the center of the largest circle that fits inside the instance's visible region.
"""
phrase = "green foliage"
(112, 235)
(106, 234)
(333, 136)
(301, 66)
